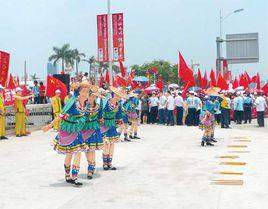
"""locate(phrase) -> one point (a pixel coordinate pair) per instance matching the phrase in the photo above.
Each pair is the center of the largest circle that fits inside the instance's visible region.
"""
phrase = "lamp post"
(222, 18)
(110, 42)
(219, 40)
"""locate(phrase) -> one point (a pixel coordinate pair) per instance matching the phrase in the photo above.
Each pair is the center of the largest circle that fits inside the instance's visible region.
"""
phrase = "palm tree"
(62, 54)
(90, 61)
(76, 56)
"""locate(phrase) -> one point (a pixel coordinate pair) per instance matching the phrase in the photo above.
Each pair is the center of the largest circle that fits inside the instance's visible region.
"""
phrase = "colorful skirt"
(132, 116)
(94, 142)
(73, 144)
(112, 136)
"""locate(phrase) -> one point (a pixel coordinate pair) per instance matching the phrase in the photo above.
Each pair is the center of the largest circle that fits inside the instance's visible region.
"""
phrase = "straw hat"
(85, 84)
(213, 91)
(19, 89)
(120, 92)
(132, 94)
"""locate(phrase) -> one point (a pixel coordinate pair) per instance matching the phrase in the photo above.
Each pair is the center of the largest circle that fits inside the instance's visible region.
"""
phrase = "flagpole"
(110, 42)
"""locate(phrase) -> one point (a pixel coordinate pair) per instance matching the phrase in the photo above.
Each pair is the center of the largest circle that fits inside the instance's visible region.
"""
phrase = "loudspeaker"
(64, 78)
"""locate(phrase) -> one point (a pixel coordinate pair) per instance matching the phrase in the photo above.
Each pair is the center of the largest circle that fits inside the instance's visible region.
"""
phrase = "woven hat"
(213, 91)
(119, 92)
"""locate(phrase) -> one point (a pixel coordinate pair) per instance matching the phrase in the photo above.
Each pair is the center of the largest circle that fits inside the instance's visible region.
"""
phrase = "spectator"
(170, 109)
(144, 109)
(247, 108)
(238, 107)
(85, 78)
(36, 93)
(162, 108)
(191, 105)
(261, 105)
(56, 107)
(42, 93)
(179, 108)
(153, 106)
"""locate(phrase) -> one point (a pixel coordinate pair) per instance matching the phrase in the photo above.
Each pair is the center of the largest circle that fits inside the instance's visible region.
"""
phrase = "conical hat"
(120, 92)
(213, 91)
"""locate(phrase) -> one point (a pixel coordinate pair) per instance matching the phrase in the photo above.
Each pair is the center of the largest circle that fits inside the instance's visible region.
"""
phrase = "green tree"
(61, 54)
(75, 57)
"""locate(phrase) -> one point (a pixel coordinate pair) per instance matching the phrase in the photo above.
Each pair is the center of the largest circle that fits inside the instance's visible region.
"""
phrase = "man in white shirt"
(261, 105)
(162, 108)
(179, 108)
(198, 109)
(153, 106)
(170, 109)
(85, 78)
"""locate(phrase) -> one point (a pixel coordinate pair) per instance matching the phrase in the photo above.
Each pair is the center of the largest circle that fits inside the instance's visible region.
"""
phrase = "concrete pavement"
(166, 169)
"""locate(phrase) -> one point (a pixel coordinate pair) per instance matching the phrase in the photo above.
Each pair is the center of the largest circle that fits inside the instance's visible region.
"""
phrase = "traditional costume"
(92, 134)
(112, 115)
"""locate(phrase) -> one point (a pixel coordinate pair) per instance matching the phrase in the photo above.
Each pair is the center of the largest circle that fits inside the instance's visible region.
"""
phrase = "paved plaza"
(167, 169)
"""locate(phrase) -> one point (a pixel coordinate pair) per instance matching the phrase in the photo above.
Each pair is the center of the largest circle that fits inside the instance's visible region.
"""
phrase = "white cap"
(58, 91)
(1, 87)
(18, 89)
(191, 92)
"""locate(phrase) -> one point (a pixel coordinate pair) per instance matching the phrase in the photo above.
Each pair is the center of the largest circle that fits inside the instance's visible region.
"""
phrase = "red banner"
(118, 37)
(102, 28)
(8, 97)
(4, 67)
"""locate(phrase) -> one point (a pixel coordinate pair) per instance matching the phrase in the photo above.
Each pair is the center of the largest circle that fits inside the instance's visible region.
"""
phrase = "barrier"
(37, 115)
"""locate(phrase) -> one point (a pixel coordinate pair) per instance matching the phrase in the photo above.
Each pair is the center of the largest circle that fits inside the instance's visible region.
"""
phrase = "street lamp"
(219, 40)
(222, 18)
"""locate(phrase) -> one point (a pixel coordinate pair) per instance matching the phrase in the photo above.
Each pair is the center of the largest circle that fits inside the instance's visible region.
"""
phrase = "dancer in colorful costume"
(125, 125)
(69, 140)
(112, 115)
(92, 130)
(133, 117)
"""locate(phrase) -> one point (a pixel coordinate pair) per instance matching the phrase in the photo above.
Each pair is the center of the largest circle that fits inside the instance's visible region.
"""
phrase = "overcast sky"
(154, 29)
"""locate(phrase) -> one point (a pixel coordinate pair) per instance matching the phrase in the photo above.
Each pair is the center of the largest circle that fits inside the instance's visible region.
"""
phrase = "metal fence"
(37, 115)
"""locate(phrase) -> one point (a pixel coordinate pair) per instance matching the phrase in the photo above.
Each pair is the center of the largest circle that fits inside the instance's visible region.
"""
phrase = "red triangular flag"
(11, 84)
(235, 83)
(184, 72)
(184, 92)
(265, 88)
(212, 78)
(123, 69)
(199, 78)
(222, 82)
(256, 79)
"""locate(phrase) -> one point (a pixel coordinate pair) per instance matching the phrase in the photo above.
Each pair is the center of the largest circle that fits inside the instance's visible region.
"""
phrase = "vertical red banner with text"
(4, 67)
(118, 37)
(102, 29)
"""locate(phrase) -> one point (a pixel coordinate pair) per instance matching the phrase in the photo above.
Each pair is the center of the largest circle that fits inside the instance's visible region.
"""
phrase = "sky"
(154, 29)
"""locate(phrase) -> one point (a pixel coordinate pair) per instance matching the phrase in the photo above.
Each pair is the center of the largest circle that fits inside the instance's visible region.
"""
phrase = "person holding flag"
(2, 115)
(20, 112)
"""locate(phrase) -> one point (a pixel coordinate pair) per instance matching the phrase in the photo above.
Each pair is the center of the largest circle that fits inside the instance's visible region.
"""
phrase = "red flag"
(247, 77)
(265, 88)
(154, 70)
(121, 81)
(199, 78)
(185, 73)
(222, 82)
(11, 84)
(131, 75)
(186, 87)
(53, 84)
(256, 79)
(107, 77)
(123, 69)
(243, 81)
(204, 81)
(212, 78)
(115, 83)
(235, 83)
(160, 83)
